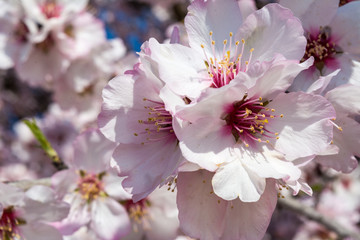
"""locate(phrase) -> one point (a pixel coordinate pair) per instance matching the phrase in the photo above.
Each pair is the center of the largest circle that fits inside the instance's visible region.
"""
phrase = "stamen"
(337, 126)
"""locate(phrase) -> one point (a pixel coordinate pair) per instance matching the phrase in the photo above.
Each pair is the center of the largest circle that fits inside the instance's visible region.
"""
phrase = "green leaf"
(44, 143)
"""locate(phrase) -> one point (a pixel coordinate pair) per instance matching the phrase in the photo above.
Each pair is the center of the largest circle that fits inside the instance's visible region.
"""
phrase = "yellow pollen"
(271, 116)
(276, 134)
(243, 41)
(237, 43)
(277, 137)
(210, 33)
(273, 110)
(225, 42)
(144, 99)
(260, 98)
(267, 141)
(246, 62)
(281, 115)
(213, 42)
(259, 140)
(135, 134)
(252, 49)
(332, 142)
(202, 46)
(246, 145)
(230, 34)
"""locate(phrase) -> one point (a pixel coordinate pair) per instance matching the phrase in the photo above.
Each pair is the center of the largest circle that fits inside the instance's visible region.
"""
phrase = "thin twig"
(314, 215)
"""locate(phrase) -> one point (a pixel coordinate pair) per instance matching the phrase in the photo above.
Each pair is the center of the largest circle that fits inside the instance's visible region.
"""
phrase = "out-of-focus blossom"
(155, 217)
(82, 84)
(333, 35)
(339, 202)
(45, 35)
(92, 190)
(60, 129)
(26, 215)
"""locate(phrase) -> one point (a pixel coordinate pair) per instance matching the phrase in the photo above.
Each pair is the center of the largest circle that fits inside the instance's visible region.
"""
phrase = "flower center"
(50, 9)
(90, 186)
(159, 123)
(45, 45)
(321, 47)
(223, 70)
(9, 223)
(21, 32)
(137, 211)
(248, 119)
(343, 2)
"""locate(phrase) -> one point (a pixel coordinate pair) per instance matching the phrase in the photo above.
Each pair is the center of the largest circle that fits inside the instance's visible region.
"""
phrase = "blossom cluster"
(197, 136)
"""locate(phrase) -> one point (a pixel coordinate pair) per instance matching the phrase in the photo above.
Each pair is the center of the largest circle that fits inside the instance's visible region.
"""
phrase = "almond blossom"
(154, 217)
(27, 215)
(84, 80)
(135, 115)
(92, 190)
(222, 45)
(333, 37)
(49, 33)
(258, 131)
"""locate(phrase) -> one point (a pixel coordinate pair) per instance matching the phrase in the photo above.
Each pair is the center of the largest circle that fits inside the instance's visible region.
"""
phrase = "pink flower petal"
(312, 13)
(110, 220)
(304, 130)
(201, 212)
(270, 30)
(245, 220)
(147, 166)
(219, 16)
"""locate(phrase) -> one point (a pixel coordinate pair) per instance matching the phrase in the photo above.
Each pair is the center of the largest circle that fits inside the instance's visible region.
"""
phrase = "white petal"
(109, 219)
(233, 180)
(305, 129)
(345, 27)
(270, 30)
(40, 231)
(219, 16)
(345, 99)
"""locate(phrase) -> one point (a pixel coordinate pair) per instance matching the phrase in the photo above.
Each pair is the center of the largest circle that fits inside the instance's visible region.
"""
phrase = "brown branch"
(312, 214)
